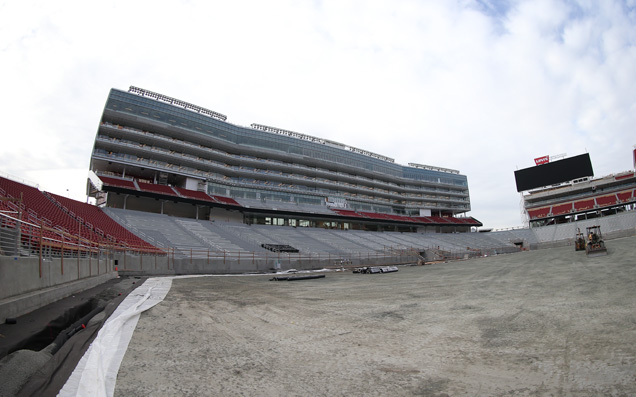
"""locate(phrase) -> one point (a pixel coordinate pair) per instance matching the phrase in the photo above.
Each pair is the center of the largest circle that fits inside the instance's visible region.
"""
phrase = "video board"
(553, 173)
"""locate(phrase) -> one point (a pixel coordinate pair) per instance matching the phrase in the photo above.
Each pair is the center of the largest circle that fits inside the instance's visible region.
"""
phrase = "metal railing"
(19, 238)
(253, 257)
(27, 239)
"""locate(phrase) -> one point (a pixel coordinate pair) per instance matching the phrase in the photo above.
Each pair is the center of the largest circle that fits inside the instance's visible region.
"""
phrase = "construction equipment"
(579, 241)
(595, 245)
(375, 269)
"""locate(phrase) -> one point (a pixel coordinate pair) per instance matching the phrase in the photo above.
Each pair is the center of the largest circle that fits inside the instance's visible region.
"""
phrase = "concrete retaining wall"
(162, 265)
(23, 289)
(612, 227)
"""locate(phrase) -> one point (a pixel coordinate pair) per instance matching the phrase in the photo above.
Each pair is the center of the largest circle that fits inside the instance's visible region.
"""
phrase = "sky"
(481, 86)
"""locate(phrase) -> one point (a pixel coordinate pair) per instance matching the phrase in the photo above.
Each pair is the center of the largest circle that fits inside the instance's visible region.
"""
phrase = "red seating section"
(125, 183)
(194, 194)
(156, 188)
(38, 210)
(205, 197)
(423, 219)
(625, 176)
(583, 205)
(439, 219)
(76, 218)
(431, 220)
(624, 196)
(606, 200)
(166, 190)
(470, 221)
(99, 222)
(562, 209)
(226, 200)
(539, 213)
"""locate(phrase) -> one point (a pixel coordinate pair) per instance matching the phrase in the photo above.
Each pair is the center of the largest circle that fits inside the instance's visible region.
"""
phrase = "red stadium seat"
(625, 176)
(156, 188)
(539, 213)
(226, 200)
(423, 219)
(76, 218)
(440, 219)
(604, 201)
(625, 196)
(194, 194)
(101, 223)
(125, 183)
(583, 205)
(561, 209)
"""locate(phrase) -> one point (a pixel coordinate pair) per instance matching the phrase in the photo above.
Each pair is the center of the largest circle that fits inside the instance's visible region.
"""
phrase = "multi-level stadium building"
(159, 154)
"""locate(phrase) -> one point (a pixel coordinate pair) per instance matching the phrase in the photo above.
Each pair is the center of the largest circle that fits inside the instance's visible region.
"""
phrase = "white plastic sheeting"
(96, 373)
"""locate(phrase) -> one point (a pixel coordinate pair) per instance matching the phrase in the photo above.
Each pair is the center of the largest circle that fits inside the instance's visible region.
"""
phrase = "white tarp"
(96, 373)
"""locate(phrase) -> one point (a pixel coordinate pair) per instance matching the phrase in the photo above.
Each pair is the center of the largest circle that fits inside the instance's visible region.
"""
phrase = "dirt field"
(549, 322)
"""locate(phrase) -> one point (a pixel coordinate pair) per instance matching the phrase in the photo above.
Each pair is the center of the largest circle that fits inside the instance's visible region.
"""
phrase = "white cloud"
(472, 86)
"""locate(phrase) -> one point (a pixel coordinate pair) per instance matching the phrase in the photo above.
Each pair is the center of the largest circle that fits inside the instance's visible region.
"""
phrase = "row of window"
(195, 161)
(257, 138)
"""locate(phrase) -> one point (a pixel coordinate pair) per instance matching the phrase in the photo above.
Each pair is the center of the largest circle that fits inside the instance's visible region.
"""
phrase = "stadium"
(150, 146)
(180, 191)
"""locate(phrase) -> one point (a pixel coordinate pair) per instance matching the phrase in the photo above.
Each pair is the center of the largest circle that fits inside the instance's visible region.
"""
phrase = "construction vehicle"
(595, 245)
(579, 241)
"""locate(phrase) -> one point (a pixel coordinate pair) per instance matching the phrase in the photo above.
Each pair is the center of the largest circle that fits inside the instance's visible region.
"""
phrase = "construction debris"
(375, 269)
(295, 278)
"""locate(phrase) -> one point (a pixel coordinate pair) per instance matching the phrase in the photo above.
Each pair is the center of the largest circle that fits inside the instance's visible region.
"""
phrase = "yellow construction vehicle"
(579, 241)
(595, 245)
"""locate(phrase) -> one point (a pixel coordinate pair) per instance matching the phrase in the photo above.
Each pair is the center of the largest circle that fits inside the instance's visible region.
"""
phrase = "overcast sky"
(480, 86)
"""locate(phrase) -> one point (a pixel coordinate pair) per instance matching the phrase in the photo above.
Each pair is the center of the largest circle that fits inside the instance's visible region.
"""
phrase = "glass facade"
(158, 141)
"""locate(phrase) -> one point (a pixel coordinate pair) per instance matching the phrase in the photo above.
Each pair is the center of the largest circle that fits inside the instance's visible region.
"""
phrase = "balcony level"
(163, 145)
(147, 157)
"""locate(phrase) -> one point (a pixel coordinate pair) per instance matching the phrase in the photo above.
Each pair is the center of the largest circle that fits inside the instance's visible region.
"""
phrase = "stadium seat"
(194, 194)
(156, 188)
(583, 205)
(539, 213)
(561, 209)
(70, 216)
(423, 219)
(440, 219)
(99, 222)
(226, 200)
(110, 181)
(624, 196)
(624, 176)
(604, 201)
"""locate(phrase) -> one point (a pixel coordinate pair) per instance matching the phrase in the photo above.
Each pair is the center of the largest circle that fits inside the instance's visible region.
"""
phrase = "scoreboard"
(555, 172)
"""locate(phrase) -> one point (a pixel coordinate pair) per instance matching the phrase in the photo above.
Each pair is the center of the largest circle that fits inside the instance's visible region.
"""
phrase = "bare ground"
(548, 322)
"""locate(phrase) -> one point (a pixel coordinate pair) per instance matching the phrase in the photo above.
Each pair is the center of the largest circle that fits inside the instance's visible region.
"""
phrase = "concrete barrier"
(24, 287)
(148, 265)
